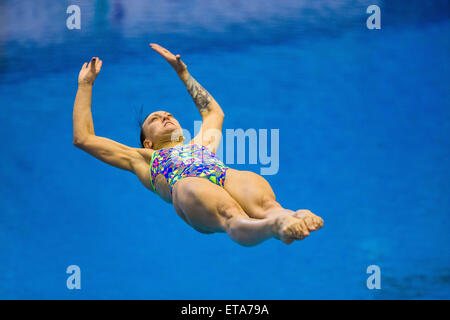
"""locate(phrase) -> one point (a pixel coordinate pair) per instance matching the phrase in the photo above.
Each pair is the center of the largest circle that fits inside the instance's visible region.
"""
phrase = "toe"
(310, 223)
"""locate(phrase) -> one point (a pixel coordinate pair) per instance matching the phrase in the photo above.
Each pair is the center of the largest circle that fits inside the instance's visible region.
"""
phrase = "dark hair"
(142, 138)
(140, 122)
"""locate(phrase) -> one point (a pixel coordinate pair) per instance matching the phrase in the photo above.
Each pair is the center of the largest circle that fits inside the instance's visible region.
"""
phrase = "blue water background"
(364, 142)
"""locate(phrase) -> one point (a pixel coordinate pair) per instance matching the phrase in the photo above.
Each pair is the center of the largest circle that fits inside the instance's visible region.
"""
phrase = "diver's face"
(160, 125)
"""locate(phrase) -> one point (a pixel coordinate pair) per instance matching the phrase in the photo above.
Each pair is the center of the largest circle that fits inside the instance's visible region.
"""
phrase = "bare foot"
(313, 222)
(289, 228)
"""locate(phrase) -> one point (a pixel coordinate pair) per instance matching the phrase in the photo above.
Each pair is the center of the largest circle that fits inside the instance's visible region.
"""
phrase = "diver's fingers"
(84, 65)
(91, 65)
(162, 51)
(98, 66)
(158, 48)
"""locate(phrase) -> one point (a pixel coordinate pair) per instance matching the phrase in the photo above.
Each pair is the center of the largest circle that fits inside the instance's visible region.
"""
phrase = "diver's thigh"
(253, 193)
(204, 204)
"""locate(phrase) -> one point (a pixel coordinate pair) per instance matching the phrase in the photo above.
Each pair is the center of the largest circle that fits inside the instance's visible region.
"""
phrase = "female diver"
(205, 193)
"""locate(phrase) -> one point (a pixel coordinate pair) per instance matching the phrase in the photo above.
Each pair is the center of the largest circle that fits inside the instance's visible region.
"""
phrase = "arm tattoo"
(201, 97)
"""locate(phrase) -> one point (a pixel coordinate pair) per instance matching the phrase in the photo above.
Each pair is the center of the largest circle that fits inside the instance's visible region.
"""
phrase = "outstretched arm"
(106, 150)
(205, 103)
(83, 125)
(211, 112)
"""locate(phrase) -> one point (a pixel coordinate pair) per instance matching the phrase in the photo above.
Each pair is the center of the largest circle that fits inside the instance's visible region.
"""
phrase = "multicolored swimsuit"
(189, 160)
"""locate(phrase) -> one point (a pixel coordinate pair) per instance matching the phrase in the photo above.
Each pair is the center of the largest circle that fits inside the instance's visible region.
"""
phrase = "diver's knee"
(232, 228)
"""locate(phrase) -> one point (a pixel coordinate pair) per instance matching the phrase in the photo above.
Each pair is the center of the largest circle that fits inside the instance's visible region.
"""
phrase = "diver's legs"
(209, 208)
(256, 197)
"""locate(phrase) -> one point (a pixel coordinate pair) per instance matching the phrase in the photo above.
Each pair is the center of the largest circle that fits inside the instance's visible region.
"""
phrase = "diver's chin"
(177, 135)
